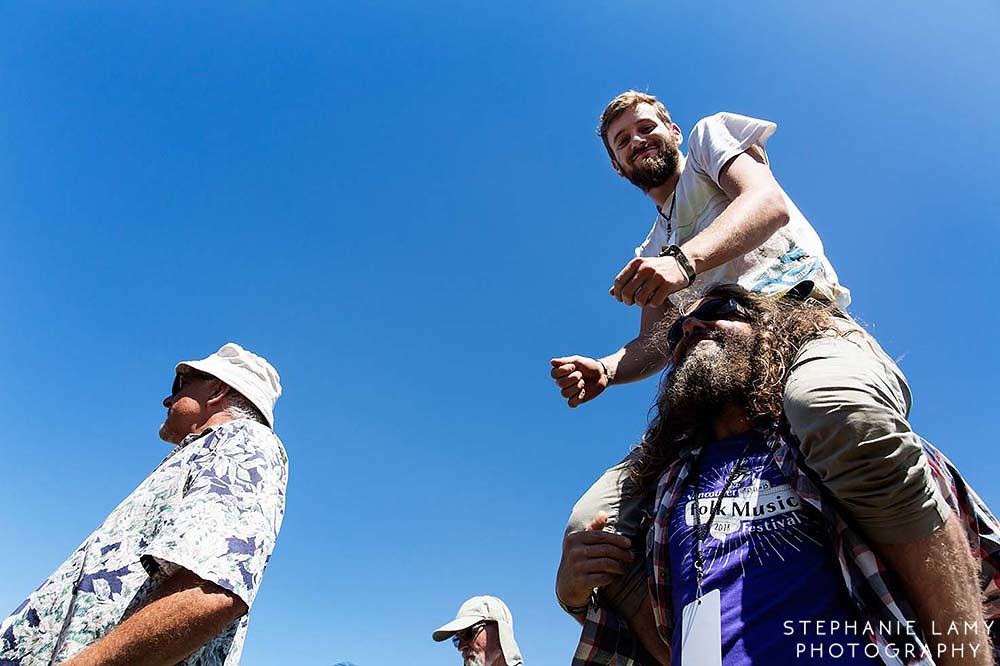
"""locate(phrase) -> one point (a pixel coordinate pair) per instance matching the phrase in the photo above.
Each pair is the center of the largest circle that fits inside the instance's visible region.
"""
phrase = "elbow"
(232, 608)
(221, 604)
(777, 204)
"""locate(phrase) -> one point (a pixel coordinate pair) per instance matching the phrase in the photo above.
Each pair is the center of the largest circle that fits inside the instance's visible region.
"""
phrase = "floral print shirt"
(213, 506)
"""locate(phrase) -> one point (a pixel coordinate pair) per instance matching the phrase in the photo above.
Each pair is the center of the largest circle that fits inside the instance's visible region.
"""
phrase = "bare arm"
(640, 359)
(941, 580)
(187, 613)
(581, 378)
(756, 210)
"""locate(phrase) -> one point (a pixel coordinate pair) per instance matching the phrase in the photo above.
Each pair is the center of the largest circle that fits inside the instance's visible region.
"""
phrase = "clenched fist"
(579, 378)
(648, 281)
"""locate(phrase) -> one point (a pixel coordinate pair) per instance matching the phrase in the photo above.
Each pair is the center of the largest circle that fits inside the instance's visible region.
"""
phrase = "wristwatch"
(576, 610)
(677, 253)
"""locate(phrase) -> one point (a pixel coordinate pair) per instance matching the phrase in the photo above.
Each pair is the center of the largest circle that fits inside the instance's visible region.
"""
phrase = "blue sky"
(404, 207)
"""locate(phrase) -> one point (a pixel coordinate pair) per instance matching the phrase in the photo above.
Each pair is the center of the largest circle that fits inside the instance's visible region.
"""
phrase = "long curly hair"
(781, 326)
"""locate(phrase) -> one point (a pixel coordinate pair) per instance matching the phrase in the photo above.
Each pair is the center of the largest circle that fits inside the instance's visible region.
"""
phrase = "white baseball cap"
(482, 608)
(245, 372)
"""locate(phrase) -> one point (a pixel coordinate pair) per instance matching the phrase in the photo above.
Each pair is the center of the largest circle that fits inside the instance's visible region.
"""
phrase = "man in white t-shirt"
(722, 218)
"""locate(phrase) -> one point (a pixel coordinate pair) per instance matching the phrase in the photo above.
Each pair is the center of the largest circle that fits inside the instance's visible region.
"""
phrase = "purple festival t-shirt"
(770, 556)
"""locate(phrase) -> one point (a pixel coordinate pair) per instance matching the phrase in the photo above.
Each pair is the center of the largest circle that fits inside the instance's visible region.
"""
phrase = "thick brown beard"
(654, 170)
(709, 380)
(677, 421)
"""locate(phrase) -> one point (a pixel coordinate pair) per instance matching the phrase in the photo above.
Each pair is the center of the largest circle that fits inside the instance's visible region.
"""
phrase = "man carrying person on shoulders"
(747, 539)
(722, 217)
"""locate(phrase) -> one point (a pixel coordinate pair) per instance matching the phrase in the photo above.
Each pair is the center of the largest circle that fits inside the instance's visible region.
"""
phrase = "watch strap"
(678, 254)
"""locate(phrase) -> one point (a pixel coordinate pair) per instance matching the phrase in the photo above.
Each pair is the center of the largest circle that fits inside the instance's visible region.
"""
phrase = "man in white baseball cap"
(171, 574)
(483, 631)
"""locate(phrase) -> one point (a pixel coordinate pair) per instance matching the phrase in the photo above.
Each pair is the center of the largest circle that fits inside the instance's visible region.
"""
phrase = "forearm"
(635, 361)
(941, 580)
(187, 613)
(642, 357)
(746, 223)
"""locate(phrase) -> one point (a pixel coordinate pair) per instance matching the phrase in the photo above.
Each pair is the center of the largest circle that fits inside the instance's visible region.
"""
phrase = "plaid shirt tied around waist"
(607, 641)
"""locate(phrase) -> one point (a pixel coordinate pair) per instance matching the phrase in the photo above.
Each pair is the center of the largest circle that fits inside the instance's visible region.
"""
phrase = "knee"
(605, 495)
(598, 498)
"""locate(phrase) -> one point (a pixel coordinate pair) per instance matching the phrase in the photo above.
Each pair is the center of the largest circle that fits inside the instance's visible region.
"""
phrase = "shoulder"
(708, 122)
(716, 139)
(729, 124)
(249, 439)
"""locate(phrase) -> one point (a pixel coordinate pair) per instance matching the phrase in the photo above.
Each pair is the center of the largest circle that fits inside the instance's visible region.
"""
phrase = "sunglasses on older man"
(468, 635)
(712, 309)
(182, 379)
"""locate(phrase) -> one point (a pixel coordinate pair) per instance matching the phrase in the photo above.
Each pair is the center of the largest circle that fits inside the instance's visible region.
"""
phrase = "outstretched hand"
(591, 558)
(580, 379)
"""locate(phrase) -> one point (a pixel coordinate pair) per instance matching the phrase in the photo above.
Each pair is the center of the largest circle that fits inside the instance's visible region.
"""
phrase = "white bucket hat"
(245, 372)
(477, 609)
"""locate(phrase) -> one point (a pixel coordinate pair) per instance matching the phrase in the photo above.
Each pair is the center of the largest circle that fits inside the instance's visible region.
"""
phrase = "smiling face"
(644, 147)
(713, 365)
(708, 321)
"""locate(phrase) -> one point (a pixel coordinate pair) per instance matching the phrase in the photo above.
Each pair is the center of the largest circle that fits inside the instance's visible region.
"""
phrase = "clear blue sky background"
(404, 207)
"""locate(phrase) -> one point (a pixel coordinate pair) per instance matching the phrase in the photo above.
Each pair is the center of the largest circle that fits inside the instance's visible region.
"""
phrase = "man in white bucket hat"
(483, 631)
(171, 574)
(241, 377)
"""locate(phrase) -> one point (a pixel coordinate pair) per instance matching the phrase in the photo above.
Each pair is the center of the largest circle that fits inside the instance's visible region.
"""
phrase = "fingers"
(596, 535)
(569, 378)
(593, 558)
(631, 290)
(562, 369)
(572, 379)
(624, 277)
(598, 580)
(599, 521)
(655, 299)
(644, 286)
(573, 390)
(572, 374)
(606, 565)
(564, 366)
(600, 537)
(641, 282)
(608, 552)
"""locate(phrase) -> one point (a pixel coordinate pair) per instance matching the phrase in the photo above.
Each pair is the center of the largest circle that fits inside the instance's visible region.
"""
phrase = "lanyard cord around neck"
(701, 532)
(670, 214)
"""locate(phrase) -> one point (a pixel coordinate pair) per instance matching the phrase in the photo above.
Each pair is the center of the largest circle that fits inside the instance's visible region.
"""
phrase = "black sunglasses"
(713, 309)
(468, 635)
(182, 379)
